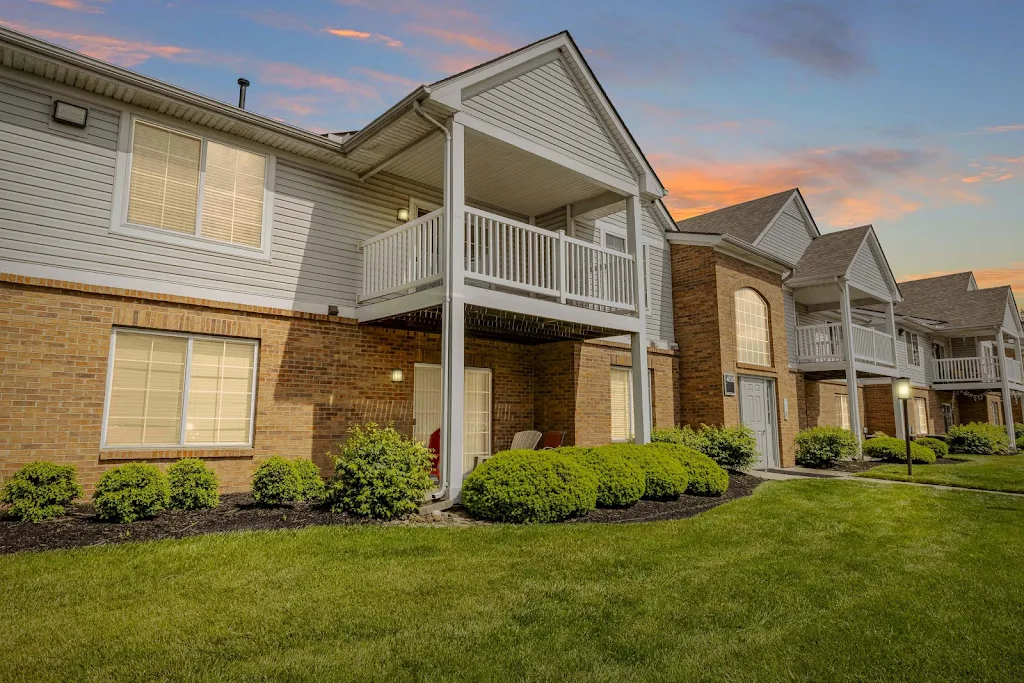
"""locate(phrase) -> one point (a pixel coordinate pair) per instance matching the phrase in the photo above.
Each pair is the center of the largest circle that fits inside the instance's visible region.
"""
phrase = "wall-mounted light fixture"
(403, 215)
(397, 375)
(71, 114)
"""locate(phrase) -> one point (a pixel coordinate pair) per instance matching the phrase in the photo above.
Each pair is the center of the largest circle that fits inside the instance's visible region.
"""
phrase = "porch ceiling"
(506, 326)
(499, 175)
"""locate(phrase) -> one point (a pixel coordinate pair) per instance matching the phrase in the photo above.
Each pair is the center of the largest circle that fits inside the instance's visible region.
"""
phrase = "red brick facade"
(881, 417)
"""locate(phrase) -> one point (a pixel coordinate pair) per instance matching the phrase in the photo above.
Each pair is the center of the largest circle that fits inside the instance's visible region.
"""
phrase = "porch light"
(903, 388)
(903, 393)
(397, 375)
(71, 114)
(403, 215)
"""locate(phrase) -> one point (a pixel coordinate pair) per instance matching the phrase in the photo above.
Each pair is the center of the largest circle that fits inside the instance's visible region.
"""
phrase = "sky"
(906, 114)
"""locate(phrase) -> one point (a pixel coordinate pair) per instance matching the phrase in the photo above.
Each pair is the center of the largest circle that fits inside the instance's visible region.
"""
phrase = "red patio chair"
(552, 440)
(434, 446)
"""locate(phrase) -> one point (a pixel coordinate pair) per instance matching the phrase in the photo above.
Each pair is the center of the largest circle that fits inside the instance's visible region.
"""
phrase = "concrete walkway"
(782, 474)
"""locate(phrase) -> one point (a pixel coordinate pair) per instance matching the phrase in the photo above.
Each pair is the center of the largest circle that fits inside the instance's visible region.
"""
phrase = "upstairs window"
(753, 345)
(615, 242)
(191, 186)
(913, 342)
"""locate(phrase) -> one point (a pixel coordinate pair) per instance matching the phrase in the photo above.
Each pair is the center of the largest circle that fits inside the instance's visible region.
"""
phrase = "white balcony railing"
(406, 257)
(824, 344)
(979, 369)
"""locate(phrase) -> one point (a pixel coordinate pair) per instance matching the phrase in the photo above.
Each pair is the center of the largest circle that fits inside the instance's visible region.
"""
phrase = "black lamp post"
(904, 393)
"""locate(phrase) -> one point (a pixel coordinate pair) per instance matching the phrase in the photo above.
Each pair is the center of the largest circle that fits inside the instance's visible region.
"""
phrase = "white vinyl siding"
(753, 344)
(1010, 318)
(866, 271)
(546, 106)
(792, 321)
(157, 378)
(789, 236)
(622, 403)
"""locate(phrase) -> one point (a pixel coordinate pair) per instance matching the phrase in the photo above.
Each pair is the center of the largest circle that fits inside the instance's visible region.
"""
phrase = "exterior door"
(426, 409)
(757, 411)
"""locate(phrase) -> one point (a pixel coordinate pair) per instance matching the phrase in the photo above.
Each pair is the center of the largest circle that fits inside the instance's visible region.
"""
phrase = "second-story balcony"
(824, 345)
(501, 254)
(979, 372)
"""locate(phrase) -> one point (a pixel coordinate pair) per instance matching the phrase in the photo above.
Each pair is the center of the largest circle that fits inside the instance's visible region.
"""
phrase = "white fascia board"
(733, 247)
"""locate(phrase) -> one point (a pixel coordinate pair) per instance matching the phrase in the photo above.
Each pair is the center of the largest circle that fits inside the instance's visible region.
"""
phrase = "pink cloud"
(301, 78)
(364, 35)
(382, 77)
(72, 5)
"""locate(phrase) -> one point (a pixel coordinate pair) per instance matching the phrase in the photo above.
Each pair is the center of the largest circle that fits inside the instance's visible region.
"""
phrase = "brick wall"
(704, 286)
(820, 403)
(881, 417)
(971, 410)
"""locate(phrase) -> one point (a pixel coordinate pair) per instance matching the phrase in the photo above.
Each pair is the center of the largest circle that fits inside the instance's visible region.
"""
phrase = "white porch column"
(851, 364)
(890, 327)
(638, 340)
(453, 318)
(1004, 380)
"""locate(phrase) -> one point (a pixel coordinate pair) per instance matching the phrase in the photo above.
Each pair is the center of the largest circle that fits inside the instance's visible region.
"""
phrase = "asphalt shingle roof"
(947, 298)
(744, 221)
(831, 254)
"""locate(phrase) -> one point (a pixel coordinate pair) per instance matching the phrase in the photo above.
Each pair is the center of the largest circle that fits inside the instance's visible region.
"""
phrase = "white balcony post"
(562, 265)
(890, 327)
(638, 340)
(453, 331)
(1004, 379)
(1020, 360)
(851, 363)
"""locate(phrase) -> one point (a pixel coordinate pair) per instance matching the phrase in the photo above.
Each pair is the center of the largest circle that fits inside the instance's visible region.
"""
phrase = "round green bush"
(938, 446)
(275, 482)
(704, 476)
(978, 438)
(1020, 444)
(664, 476)
(39, 491)
(683, 436)
(193, 485)
(824, 446)
(130, 492)
(528, 487)
(731, 447)
(620, 482)
(311, 487)
(895, 450)
(380, 473)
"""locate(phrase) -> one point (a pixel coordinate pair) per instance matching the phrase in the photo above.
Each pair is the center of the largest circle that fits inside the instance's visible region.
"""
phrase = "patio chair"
(434, 446)
(527, 440)
(552, 440)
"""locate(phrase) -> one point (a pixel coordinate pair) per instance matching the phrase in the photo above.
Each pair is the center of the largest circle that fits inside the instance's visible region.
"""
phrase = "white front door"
(757, 400)
(426, 410)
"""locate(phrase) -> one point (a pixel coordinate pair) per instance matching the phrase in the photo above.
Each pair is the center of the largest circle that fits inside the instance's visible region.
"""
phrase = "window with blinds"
(156, 379)
(752, 335)
(194, 186)
(921, 414)
(843, 411)
(622, 404)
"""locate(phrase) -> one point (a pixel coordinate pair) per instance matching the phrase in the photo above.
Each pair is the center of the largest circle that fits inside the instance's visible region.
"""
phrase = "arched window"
(753, 344)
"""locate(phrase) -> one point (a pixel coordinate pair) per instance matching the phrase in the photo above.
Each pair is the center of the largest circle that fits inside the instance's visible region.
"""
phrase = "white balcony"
(504, 254)
(978, 370)
(821, 345)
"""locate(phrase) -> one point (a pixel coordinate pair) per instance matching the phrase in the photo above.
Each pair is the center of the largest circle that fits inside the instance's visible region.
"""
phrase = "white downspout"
(444, 469)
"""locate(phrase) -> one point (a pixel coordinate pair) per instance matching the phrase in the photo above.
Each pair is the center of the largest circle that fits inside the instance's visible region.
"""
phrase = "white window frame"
(630, 427)
(843, 410)
(181, 445)
(913, 343)
(416, 204)
(767, 325)
(119, 224)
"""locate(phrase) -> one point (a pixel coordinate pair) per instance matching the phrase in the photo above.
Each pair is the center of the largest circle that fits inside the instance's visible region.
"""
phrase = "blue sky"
(906, 114)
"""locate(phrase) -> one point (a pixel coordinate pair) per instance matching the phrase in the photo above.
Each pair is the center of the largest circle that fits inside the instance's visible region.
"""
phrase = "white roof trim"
(733, 247)
(871, 239)
(809, 224)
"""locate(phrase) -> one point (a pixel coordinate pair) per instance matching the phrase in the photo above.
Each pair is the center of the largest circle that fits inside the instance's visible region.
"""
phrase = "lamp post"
(904, 393)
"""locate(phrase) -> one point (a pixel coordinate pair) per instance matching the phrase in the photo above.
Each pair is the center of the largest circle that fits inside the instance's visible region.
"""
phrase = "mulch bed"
(740, 485)
(865, 465)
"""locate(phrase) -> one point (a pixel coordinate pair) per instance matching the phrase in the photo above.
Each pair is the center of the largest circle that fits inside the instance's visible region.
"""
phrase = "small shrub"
(39, 491)
(704, 476)
(1018, 430)
(978, 438)
(275, 482)
(938, 446)
(682, 436)
(573, 451)
(731, 447)
(895, 450)
(528, 487)
(193, 485)
(311, 485)
(380, 473)
(664, 475)
(620, 482)
(1020, 444)
(130, 492)
(824, 446)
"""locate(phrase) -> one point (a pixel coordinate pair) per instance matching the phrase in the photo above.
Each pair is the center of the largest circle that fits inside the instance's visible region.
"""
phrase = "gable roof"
(951, 300)
(746, 221)
(831, 254)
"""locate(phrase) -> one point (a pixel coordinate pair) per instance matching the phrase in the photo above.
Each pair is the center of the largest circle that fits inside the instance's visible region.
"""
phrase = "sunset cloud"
(72, 5)
(126, 53)
(364, 35)
(1012, 275)
(294, 76)
(1011, 128)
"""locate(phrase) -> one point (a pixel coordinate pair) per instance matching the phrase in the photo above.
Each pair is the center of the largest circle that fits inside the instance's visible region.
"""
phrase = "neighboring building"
(183, 277)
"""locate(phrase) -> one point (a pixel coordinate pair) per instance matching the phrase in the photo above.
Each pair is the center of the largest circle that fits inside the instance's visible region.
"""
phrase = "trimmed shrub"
(39, 491)
(380, 473)
(620, 481)
(1018, 430)
(731, 447)
(275, 482)
(130, 492)
(664, 475)
(529, 486)
(573, 451)
(938, 446)
(193, 485)
(683, 436)
(704, 476)
(895, 450)
(1020, 444)
(824, 446)
(978, 438)
(311, 485)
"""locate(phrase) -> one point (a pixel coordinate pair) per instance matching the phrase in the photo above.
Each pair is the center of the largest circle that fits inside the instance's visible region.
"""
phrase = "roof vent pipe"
(242, 85)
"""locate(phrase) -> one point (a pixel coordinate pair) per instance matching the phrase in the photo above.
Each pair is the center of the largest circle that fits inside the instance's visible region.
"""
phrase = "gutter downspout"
(445, 474)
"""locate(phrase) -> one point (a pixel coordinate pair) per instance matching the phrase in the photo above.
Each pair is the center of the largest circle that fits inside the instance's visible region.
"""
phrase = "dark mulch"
(740, 485)
(236, 512)
(856, 465)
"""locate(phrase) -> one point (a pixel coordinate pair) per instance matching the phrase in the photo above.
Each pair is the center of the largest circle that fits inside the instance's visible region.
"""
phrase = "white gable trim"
(883, 266)
(1011, 303)
(809, 224)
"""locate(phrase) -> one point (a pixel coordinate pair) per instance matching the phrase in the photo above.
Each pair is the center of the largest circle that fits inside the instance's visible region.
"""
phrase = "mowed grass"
(807, 580)
(988, 472)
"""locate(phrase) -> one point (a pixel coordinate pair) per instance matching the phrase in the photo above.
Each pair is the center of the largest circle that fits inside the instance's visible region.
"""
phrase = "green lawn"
(809, 580)
(989, 472)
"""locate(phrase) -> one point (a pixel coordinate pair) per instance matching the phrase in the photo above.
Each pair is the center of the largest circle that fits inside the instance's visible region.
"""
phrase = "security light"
(397, 375)
(403, 215)
(903, 388)
(71, 114)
